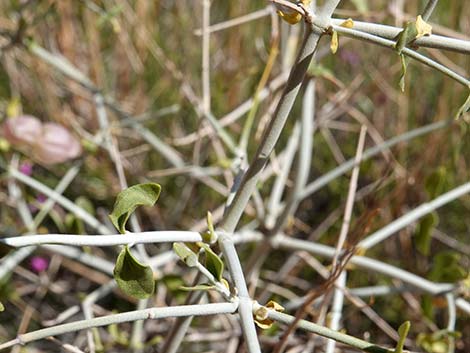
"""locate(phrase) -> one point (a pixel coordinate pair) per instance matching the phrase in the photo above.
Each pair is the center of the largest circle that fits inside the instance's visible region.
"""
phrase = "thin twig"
(103, 240)
(206, 86)
(152, 314)
(64, 202)
(408, 52)
(413, 215)
(325, 332)
(235, 21)
(427, 12)
(351, 196)
(326, 178)
(390, 32)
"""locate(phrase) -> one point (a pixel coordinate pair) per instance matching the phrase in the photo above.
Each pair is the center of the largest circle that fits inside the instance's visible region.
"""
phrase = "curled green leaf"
(129, 199)
(185, 254)
(413, 30)
(407, 35)
(134, 278)
(213, 263)
(447, 267)
(2, 308)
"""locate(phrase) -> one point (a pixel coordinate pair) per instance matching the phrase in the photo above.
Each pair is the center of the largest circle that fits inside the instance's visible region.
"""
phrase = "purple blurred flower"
(41, 198)
(351, 57)
(26, 168)
(39, 264)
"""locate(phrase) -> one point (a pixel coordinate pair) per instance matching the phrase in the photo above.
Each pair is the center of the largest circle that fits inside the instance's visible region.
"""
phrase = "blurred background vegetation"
(143, 54)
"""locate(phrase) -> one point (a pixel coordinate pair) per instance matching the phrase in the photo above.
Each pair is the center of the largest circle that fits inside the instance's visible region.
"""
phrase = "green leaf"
(437, 342)
(413, 30)
(210, 224)
(74, 224)
(172, 282)
(446, 267)
(406, 36)
(423, 232)
(129, 199)
(2, 308)
(209, 236)
(213, 263)
(134, 278)
(435, 182)
(185, 254)
(427, 306)
(117, 335)
(202, 286)
(402, 332)
(86, 204)
(318, 70)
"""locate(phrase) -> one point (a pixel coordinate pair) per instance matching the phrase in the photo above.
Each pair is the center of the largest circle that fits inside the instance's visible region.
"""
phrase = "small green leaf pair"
(213, 262)
(189, 254)
(134, 278)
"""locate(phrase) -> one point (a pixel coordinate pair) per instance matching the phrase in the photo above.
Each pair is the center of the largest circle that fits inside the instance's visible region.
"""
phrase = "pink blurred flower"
(24, 129)
(48, 143)
(39, 264)
(26, 168)
(56, 145)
